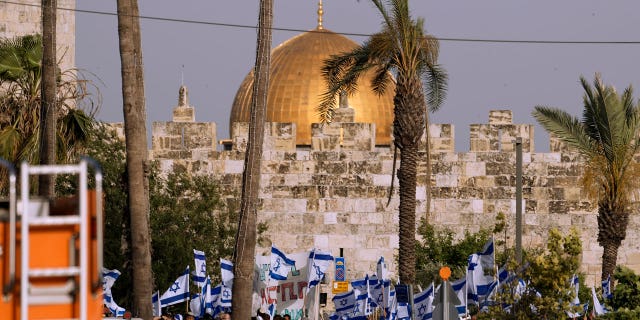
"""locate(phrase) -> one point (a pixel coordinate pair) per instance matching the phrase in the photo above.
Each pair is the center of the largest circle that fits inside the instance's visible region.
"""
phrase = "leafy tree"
(133, 105)
(607, 136)
(627, 291)
(403, 48)
(548, 273)
(438, 247)
(245, 245)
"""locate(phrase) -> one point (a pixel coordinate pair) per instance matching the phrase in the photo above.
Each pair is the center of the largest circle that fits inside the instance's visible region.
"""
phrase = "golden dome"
(296, 84)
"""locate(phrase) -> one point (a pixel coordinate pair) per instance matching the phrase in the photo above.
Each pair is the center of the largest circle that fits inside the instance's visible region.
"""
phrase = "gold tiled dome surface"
(296, 83)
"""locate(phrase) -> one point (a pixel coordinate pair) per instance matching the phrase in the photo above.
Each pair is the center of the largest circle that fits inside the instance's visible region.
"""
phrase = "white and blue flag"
(108, 278)
(479, 283)
(381, 270)
(195, 305)
(155, 302)
(606, 288)
(206, 298)
(178, 292)
(344, 303)
(226, 271)
(280, 264)
(423, 304)
(460, 288)
(319, 262)
(597, 307)
(200, 273)
(575, 287)
(361, 308)
(116, 310)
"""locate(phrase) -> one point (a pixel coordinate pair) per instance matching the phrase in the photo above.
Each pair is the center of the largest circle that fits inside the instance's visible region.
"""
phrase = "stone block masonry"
(333, 194)
(22, 17)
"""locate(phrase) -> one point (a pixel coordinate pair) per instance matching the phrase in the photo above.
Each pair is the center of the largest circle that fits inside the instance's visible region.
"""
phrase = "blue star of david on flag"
(319, 262)
(178, 292)
(280, 264)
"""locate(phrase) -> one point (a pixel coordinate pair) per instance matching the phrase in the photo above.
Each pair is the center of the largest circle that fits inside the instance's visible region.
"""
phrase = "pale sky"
(482, 75)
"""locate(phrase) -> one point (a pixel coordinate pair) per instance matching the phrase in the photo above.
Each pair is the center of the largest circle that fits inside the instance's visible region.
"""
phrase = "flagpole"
(316, 302)
(466, 291)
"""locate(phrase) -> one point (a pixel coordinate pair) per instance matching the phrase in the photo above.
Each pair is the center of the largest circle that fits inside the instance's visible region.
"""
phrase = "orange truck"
(51, 251)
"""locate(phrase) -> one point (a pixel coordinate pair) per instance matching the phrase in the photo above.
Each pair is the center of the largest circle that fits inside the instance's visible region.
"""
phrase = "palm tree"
(136, 146)
(244, 253)
(403, 48)
(46, 187)
(607, 137)
(21, 78)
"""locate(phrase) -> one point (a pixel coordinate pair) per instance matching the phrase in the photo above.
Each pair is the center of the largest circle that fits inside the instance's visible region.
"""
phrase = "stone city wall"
(333, 194)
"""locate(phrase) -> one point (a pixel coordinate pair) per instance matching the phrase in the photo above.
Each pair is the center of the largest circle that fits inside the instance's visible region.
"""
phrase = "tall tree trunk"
(48, 107)
(408, 127)
(244, 253)
(136, 145)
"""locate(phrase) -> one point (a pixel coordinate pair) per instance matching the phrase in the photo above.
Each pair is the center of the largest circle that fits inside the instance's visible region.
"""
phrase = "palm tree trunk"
(136, 145)
(612, 230)
(46, 187)
(245, 246)
(408, 127)
(407, 212)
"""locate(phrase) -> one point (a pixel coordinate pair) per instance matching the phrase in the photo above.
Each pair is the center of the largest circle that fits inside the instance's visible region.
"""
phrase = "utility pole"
(519, 200)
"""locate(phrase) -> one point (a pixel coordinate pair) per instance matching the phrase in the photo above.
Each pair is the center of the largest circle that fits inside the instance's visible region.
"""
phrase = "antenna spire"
(182, 76)
(320, 12)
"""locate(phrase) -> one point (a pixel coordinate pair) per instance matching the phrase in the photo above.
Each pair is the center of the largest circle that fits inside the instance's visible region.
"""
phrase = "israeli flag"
(226, 271)
(344, 303)
(377, 295)
(423, 304)
(319, 262)
(195, 305)
(381, 270)
(206, 298)
(361, 284)
(116, 310)
(225, 297)
(200, 273)
(108, 278)
(460, 288)
(361, 308)
(606, 288)
(575, 287)
(155, 302)
(480, 284)
(178, 292)
(597, 307)
(280, 264)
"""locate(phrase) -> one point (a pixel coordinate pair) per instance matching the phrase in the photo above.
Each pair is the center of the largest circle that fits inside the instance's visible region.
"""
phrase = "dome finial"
(320, 12)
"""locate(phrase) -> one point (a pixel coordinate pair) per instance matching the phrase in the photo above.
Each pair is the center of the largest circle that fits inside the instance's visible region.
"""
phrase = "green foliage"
(627, 289)
(183, 219)
(548, 273)
(438, 247)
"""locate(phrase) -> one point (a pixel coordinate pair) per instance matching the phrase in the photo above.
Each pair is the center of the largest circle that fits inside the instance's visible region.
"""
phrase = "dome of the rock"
(296, 85)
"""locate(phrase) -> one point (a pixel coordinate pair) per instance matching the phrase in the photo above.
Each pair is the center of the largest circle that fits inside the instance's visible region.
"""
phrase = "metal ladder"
(28, 220)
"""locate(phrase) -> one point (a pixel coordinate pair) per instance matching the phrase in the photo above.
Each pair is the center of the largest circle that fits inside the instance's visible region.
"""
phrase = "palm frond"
(435, 83)
(565, 126)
